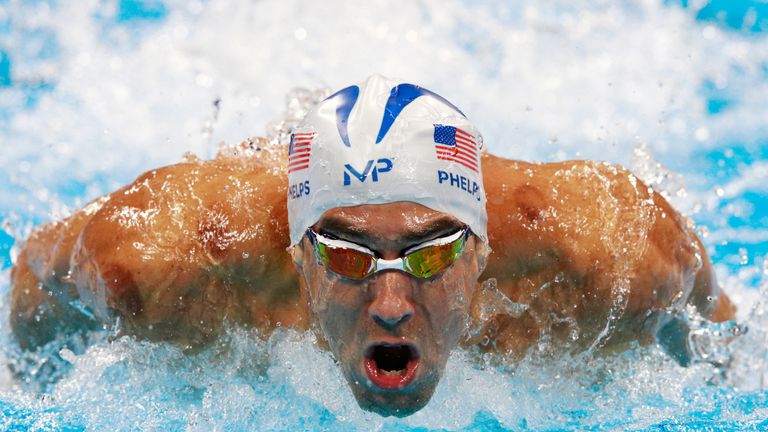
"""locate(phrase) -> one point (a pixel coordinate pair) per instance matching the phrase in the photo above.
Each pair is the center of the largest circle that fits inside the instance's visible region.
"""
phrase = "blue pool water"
(94, 92)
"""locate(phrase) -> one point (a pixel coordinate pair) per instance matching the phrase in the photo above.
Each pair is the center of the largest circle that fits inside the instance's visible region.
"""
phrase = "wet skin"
(187, 249)
(391, 308)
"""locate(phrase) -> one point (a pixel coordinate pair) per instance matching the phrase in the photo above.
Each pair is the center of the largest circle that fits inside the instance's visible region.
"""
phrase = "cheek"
(323, 289)
(461, 288)
(336, 306)
(318, 289)
(343, 312)
(447, 302)
(459, 283)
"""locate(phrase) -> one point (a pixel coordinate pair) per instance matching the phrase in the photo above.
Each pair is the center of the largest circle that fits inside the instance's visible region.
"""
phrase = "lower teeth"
(391, 373)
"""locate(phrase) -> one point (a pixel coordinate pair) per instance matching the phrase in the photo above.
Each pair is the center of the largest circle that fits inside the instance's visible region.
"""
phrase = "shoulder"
(577, 213)
(178, 230)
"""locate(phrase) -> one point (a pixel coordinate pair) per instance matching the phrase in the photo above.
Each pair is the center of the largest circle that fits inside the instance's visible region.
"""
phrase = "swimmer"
(390, 233)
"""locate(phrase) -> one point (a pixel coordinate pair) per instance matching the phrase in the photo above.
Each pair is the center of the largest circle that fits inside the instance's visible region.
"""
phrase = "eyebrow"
(434, 228)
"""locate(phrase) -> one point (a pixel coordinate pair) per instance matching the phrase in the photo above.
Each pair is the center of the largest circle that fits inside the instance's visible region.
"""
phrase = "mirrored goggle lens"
(346, 262)
(431, 260)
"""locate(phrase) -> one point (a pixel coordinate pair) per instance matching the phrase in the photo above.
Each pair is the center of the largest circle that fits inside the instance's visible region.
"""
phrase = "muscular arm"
(580, 241)
(175, 254)
(186, 247)
(43, 291)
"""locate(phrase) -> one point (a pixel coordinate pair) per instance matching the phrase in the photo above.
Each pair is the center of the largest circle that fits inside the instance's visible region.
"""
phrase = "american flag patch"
(455, 145)
(299, 151)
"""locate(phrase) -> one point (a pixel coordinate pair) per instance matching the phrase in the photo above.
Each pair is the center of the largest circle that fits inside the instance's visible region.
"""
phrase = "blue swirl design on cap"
(347, 98)
(400, 96)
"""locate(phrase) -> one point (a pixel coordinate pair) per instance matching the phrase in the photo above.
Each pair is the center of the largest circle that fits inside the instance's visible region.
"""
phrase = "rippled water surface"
(94, 92)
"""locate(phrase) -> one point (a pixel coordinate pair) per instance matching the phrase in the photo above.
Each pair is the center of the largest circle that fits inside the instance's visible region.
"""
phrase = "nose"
(391, 305)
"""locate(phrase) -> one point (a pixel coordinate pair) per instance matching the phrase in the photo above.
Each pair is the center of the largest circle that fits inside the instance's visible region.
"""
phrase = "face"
(391, 332)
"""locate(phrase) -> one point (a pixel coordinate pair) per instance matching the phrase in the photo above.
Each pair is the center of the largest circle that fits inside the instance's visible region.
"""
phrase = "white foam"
(543, 81)
(127, 384)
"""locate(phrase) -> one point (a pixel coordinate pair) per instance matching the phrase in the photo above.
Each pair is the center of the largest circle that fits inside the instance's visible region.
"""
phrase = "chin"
(392, 404)
(397, 403)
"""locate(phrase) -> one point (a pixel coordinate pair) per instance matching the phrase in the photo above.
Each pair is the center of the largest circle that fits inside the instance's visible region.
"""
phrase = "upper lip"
(392, 342)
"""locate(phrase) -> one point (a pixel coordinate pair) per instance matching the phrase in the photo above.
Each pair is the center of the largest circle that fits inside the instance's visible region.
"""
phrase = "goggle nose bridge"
(394, 264)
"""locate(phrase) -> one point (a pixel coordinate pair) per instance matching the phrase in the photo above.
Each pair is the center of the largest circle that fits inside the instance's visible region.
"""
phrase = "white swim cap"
(380, 142)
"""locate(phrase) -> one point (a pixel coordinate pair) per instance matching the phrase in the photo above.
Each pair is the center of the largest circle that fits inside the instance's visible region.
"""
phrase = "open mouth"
(391, 366)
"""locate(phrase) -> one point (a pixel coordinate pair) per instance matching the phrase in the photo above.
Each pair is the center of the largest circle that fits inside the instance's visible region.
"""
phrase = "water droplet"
(190, 157)
(702, 134)
(703, 231)
(743, 256)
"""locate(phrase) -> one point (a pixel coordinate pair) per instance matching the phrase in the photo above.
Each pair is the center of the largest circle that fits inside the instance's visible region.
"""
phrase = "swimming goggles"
(357, 262)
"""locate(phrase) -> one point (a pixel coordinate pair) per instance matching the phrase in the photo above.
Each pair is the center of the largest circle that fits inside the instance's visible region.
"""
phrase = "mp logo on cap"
(381, 166)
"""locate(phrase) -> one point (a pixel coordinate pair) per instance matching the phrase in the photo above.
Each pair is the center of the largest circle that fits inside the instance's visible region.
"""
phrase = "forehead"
(395, 222)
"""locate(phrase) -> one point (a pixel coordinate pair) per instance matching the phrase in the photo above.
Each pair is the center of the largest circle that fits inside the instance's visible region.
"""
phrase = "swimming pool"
(94, 92)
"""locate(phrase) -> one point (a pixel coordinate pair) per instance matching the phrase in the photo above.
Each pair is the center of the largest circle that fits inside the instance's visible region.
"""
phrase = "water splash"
(92, 103)
(669, 184)
(287, 382)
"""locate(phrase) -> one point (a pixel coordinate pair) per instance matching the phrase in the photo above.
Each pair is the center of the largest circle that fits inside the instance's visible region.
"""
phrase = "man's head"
(387, 216)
